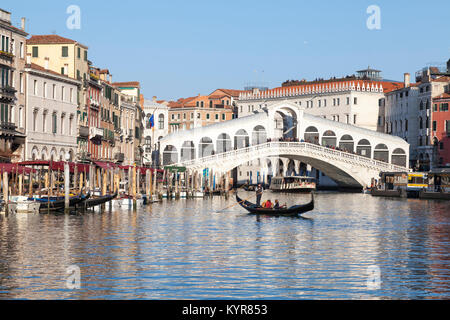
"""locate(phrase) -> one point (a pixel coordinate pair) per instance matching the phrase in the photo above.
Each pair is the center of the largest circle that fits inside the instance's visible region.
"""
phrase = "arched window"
(329, 139)
(399, 157)
(161, 122)
(188, 151)
(148, 141)
(381, 153)
(364, 148)
(206, 147)
(241, 139)
(347, 144)
(170, 155)
(259, 135)
(223, 143)
(312, 135)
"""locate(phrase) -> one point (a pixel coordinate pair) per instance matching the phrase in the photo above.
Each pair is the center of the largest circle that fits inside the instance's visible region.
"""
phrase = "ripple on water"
(189, 250)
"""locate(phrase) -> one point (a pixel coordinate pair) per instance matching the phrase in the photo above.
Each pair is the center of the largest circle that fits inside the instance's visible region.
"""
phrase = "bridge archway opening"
(329, 139)
(206, 147)
(346, 143)
(364, 148)
(223, 143)
(259, 135)
(241, 140)
(381, 153)
(188, 151)
(312, 135)
(286, 123)
(399, 157)
(291, 170)
(170, 156)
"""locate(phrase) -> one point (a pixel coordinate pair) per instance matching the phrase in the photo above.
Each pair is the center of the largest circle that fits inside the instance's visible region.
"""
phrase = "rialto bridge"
(284, 134)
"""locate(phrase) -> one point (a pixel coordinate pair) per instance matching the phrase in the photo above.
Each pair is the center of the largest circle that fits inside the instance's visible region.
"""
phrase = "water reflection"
(192, 250)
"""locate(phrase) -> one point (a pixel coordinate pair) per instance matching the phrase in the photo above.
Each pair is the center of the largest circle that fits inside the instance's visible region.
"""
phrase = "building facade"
(51, 110)
(441, 128)
(12, 89)
(409, 114)
(159, 111)
(67, 57)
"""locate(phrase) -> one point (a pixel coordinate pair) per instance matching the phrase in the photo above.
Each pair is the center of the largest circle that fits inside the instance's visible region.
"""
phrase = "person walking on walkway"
(259, 193)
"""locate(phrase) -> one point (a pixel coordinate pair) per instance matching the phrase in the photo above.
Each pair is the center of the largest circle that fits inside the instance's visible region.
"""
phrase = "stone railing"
(286, 148)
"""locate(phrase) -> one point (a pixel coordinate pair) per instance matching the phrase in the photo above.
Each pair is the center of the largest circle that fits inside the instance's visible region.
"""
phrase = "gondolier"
(259, 193)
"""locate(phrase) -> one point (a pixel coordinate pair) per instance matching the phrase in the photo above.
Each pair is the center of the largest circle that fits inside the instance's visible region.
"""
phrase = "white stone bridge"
(350, 155)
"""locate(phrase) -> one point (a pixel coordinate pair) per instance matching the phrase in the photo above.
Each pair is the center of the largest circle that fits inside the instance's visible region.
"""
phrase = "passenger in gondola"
(269, 205)
(277, 205)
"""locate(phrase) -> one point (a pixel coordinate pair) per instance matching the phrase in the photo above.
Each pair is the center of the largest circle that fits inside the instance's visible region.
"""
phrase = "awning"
(105, 165)
(13, 168)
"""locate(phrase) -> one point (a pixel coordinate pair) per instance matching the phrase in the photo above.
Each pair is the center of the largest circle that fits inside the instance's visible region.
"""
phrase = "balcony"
(6, 55)
(83, 132)
(8, 129)
(7, 94)
(95, 133)
(120, 157)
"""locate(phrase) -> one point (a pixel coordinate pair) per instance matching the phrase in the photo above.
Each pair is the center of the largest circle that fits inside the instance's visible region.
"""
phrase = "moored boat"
(293, 184)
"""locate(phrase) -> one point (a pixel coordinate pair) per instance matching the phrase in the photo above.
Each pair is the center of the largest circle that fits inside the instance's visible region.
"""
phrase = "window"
(22, 51)
(338, 101)
(35, 114)
(217, 117)
(224, 117)
(44, 121)
(62, 94)
(62, 123)
(78, 75)
(44, 94)
(434, 125)
(54, 92)
(21, 83)
(79, 53)
(65, 52)
(62, 70)
(208, 116)
(444, 107)
(71, 95)
(54, 123)
(35, 89)
(161, 122)
(355, 101)
(354, 119)
(35, 52)
(85, 55)
(435, 109)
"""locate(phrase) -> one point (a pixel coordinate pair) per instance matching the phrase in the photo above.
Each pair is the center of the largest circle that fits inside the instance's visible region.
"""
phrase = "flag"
(152, 121)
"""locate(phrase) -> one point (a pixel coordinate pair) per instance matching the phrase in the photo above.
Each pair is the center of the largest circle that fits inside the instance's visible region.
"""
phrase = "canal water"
(187, 249)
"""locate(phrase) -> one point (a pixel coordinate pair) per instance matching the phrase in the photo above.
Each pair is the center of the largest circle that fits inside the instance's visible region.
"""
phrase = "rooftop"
(51, 39)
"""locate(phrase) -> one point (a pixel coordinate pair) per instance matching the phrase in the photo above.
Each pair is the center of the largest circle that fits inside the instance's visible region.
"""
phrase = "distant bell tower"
(369, 74)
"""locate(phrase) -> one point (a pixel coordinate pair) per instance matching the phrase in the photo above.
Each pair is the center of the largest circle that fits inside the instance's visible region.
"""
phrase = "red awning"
(13, 168)
(105, 165)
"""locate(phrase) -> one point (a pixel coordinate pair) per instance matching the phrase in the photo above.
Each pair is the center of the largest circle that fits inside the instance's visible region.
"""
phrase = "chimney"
(28, 58)
(23, 24)
(110, 78)
(154, 98)
(407, 80)
(46, 61)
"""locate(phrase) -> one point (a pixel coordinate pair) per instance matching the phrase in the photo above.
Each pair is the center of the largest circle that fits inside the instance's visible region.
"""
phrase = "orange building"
(200, 111)
(441, 128)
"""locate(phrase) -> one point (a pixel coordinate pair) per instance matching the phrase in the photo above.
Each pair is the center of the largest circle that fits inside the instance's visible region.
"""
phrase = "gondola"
(292, 211)
(97, 201)
(59, 204)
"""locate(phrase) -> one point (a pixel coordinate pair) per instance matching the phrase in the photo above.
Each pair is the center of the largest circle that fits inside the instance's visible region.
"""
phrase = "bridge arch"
(205, 147)
(381, 153)
(329, 138)
(259, 135)
(170, 155)
(347, 143)
(224, 143)
(364, 148)
(241, 139)
(188, 151)
(312, 135)
(399, 157)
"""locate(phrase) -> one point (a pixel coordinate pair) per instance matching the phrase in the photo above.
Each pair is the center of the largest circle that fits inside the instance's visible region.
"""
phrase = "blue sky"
(183, 48)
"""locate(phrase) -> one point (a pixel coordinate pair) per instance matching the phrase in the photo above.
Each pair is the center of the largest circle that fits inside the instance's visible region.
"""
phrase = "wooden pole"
(5, 191)
(30, 188)
(66, 187)
(75, 178)
(81, 181)
(20, 185)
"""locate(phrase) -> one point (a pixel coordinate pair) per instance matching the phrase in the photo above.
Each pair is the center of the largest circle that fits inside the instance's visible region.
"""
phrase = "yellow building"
(63, 55)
